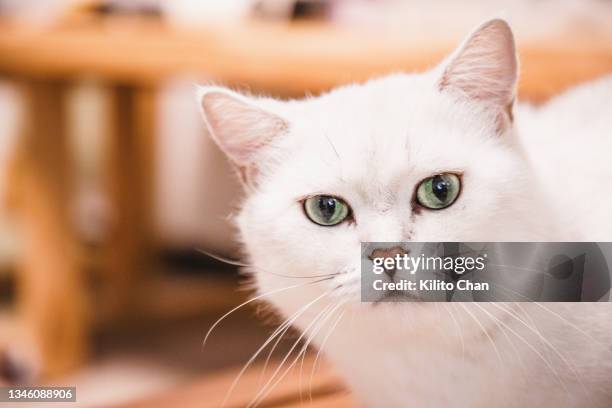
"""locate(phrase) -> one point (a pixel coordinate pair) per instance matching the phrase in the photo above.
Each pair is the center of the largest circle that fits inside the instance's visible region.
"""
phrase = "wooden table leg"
(50, 295)
(129, 175)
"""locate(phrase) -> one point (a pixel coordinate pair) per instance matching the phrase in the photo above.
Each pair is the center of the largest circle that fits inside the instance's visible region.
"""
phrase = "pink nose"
(387, 253)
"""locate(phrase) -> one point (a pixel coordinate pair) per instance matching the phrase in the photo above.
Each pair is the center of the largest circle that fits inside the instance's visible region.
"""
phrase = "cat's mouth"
(395, 296)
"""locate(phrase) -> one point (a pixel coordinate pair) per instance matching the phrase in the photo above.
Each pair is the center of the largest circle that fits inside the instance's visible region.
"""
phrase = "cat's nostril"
(387, 252)
(390, 272)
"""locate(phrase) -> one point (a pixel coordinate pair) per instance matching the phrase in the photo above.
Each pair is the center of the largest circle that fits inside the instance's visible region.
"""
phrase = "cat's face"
(356, 165)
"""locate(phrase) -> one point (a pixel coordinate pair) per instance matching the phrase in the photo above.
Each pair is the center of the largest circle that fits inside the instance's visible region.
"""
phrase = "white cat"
(327, 173)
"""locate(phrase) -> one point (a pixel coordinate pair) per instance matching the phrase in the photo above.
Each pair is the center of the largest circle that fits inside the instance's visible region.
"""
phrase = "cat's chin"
(396, 297)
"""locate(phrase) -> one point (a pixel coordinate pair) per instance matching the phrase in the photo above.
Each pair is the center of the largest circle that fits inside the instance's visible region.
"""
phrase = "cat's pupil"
(439, 186)
(327, 207)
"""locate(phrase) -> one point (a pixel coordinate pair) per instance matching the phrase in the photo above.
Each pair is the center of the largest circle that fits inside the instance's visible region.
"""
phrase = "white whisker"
(222, 258)
(458, 328)
(323, 342)
(552, 347)
(573, 326)
(254, 356)
(483, 330)
(267, 387)
(532, 348)
(314, 333)
(507, 337)
(253, 299)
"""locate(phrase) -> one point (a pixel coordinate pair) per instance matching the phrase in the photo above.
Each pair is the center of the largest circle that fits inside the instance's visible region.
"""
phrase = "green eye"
(439, 191)
(326, 210)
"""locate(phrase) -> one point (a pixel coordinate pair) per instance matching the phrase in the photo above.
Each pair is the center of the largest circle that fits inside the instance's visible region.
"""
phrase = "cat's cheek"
(284, 244)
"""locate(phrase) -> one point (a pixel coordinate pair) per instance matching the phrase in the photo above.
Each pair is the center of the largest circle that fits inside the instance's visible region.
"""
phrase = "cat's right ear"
(485, 69)
(241, 128)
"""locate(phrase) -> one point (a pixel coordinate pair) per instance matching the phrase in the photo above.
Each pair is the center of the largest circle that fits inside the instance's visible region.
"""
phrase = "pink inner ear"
(238, 139)
(240, 129)
(485, 68)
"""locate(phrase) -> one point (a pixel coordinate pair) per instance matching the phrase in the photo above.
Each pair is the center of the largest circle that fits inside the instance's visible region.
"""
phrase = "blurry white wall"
(196, 190)
(36, 11)
(11, 109)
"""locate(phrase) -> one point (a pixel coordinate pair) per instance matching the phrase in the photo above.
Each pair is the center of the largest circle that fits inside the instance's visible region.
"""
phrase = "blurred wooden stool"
(52, 294)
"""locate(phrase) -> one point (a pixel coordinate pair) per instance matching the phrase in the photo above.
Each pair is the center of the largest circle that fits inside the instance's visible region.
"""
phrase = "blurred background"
(110, 189)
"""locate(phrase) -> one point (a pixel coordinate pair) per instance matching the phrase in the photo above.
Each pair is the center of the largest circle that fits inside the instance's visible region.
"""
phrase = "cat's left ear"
(243, 130)
(485, 69)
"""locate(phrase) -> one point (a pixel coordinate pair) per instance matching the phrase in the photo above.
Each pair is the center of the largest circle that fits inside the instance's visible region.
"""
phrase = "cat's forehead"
(375, 104)
(388, 113)
(395, 120)
(382, 135)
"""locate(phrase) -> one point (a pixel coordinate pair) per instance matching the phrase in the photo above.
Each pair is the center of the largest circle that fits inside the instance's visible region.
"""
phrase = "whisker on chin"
(282, 329)
(533, 348)
(269, 386)
(315, 332)
(458, 328)
(507, 337)
(605, 347)
(287, 322)
(278, 340)
(486, 333)
(280, 337)
(547, 342)
(322, 319)
(253, 299)
(285, 329)
(323, 342)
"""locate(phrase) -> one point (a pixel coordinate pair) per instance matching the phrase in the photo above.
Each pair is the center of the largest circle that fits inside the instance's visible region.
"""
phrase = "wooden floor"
(294, 390)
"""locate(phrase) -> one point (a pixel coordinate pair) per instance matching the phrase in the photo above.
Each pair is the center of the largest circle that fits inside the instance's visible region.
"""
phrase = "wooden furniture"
(50, 296)
(294, 390)
(132, 58)
(282, 59)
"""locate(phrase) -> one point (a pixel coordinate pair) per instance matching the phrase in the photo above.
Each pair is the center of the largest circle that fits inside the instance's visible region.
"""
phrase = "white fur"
(371, 144)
